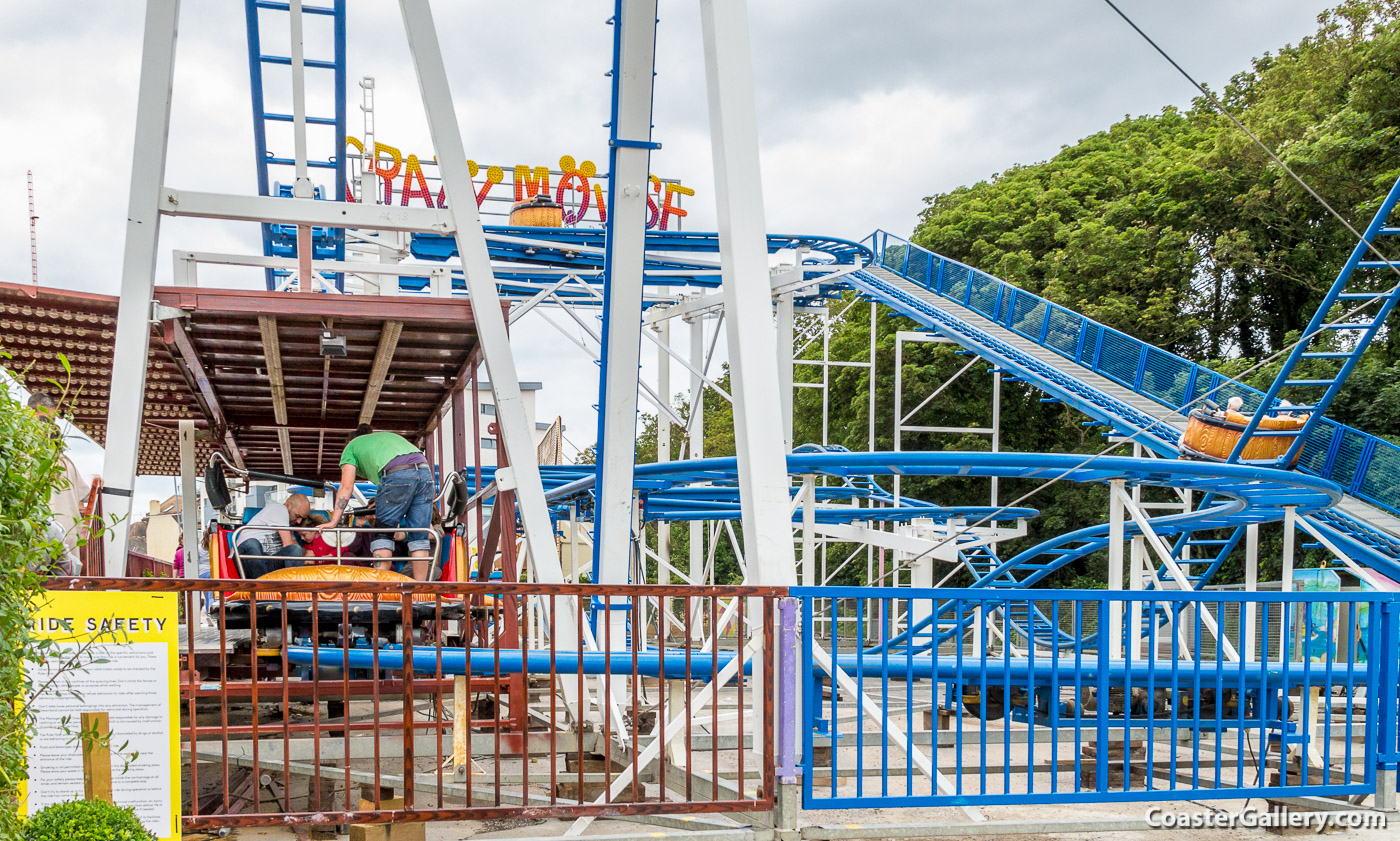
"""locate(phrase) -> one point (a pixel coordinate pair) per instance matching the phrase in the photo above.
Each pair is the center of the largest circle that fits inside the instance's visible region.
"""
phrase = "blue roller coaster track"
(1346, 485)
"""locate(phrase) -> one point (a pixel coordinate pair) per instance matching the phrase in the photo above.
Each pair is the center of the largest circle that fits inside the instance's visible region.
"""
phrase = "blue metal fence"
(1366, 466)
(1221, 695)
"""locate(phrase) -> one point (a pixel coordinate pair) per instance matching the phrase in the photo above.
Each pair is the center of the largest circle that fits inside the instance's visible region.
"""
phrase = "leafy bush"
(85, 820)
(29, 466)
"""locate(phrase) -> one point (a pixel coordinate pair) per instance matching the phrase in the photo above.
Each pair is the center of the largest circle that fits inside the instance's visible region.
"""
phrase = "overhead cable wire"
(1220, 107)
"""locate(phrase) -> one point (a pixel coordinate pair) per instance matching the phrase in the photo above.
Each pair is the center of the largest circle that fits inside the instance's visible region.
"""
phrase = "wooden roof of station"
(247, 366)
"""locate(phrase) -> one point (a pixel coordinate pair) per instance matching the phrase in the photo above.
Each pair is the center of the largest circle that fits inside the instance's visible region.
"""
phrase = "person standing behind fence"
(404, 498)
(71, 493)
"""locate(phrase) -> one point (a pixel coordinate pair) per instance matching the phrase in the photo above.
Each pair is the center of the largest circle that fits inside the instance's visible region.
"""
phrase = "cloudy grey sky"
(864, 109)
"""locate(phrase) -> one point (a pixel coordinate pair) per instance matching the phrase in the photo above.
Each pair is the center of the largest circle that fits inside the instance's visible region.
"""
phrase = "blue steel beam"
(676, 666)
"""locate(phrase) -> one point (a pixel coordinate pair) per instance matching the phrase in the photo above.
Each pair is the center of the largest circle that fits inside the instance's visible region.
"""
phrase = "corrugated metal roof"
(217, 360)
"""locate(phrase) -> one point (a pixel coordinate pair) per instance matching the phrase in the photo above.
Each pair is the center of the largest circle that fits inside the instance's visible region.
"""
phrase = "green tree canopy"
(1175, 227)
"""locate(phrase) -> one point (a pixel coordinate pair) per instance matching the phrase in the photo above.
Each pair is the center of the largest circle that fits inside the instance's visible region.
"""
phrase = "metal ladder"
(1359, 280)
(280, 240)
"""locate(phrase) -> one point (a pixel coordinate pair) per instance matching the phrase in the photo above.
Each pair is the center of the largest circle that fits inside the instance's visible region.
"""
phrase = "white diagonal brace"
(486, 302)
(651, 336)
(1352, 566)
(1164, 552)
(123, 432)
(917, 757)
(743, 248)
(673, 728)
(648, 392)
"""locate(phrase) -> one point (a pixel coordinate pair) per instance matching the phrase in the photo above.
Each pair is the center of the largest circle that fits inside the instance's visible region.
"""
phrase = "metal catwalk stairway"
(1369, 534)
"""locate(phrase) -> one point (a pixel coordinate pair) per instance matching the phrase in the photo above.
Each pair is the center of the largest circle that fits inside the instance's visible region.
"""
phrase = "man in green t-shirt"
(404, 499)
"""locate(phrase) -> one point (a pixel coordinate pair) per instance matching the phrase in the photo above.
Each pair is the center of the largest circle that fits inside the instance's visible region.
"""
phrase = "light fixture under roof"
(331, 344)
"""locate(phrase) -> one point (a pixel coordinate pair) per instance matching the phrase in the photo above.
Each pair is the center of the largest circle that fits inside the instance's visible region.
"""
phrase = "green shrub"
(29, 466)
(85, 820)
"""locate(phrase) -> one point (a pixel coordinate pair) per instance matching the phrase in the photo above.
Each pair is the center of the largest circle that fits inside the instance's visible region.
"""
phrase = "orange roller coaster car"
(1213, 435)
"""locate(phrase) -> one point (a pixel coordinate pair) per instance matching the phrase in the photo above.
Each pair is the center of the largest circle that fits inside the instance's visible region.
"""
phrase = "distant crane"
(33, 232)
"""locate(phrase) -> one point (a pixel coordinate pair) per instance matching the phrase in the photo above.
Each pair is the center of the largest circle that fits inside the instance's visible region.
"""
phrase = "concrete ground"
(1031, 821)
(519, 829)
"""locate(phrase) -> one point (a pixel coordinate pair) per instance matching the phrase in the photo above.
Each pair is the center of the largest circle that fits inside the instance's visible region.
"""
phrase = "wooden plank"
(383, 357)
(97, 757)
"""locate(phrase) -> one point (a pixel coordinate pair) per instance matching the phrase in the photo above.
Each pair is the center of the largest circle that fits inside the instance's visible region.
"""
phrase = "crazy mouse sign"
(578, 191)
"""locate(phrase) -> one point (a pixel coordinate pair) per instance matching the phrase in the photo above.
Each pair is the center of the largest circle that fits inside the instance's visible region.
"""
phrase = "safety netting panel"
(921, 268)
(893, 256)
(1382, 480)
(1062, 332)
(1205, 381)
(1092, 329)
(955, 279)
(1348, 457)
(1119, 359)
(1165, 376)
(983, 293)
(1314, 456)
(1027, 315)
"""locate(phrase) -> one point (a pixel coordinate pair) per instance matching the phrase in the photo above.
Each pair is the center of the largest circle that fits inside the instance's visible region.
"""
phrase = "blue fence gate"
(973, 697)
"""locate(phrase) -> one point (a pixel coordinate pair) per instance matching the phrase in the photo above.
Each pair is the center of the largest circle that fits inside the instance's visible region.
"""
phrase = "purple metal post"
(787, 690)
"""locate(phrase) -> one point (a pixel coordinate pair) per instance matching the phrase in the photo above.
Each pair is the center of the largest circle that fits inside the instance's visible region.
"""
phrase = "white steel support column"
(809, 530)
(696, 443)
(826, 376)
(1183, 582)
(663, 454)
(996, 429)
(1290, 535)
(1137, 559)
(486, 302)
(763, 480)
(784, 310)
(871, 431)
(898, 403)
(302, 188)
(138, 277)
(189, 504)
(1251, 584)
(1115, 568)
(635, 40)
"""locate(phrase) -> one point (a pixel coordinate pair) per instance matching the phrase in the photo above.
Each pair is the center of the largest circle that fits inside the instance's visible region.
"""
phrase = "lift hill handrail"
(1366, 466)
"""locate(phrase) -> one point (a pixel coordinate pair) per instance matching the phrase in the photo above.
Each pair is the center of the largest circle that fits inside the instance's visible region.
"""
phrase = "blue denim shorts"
(404, 500)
